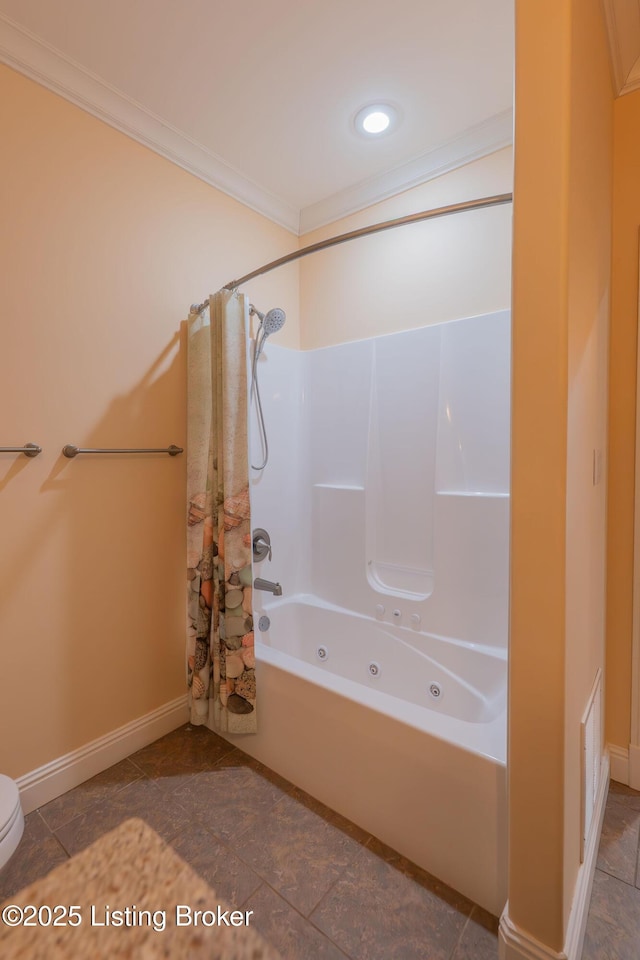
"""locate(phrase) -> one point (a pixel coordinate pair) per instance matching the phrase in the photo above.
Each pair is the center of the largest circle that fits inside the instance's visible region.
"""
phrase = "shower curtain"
(220, 651)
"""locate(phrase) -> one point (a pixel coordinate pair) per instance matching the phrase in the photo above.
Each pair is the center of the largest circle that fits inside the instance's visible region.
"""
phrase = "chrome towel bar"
(29, 449)
(71, 451)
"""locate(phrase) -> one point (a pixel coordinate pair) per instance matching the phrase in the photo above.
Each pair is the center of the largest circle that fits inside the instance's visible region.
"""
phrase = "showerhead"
(273, 321)
(270, 323)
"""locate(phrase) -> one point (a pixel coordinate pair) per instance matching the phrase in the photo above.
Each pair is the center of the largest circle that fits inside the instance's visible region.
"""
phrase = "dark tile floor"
(320, 887)
(613, 927)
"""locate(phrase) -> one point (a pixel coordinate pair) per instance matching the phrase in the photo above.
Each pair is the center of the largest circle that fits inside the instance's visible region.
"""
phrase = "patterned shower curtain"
(220, 652)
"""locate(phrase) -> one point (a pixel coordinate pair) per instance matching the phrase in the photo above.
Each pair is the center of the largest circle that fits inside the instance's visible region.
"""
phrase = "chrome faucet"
(273, 588)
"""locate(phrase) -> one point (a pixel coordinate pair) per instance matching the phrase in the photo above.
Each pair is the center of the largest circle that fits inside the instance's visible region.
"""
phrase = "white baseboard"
(619, 763)
(634, 767)
(516, 944)
(55, 778)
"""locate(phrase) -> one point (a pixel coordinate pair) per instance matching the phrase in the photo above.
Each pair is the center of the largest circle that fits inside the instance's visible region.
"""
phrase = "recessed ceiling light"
(376, 119)
(375, 122)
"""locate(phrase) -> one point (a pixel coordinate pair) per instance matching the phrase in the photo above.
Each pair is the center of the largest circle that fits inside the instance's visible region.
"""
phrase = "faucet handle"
(261, 544)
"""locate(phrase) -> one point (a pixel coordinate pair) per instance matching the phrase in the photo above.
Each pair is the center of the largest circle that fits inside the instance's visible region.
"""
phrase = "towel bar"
(70, 450)
(29, 449)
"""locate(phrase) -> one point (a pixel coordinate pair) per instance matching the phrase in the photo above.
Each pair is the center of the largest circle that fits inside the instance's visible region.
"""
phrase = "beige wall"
(589, 277)
(103, 246)
(453, 267)
(560, 315)
(622, 407)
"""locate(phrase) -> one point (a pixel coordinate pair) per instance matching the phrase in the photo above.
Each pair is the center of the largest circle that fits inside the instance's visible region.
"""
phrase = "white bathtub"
(449, 688)
(425, 775)
(388, 489)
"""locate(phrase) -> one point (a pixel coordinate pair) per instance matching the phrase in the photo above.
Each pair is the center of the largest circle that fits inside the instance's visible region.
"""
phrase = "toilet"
(11, 819)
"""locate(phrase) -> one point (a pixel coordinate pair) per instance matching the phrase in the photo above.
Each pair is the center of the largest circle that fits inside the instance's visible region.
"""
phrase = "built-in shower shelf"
(338, 486)
(397, 580)
(473, 493)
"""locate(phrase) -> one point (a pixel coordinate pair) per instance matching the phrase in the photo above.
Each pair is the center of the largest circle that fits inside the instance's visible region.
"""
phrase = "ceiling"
(257, 96)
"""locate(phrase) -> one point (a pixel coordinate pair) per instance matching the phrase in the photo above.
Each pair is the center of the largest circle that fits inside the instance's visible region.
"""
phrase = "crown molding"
(478, 141)
(39, 61)
(623, 27)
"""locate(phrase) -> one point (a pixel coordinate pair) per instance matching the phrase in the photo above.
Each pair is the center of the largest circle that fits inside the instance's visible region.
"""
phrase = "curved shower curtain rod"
(494, 201)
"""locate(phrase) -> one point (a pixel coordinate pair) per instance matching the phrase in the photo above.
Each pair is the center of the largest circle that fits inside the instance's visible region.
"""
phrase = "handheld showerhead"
(270, 322)
(273, 321)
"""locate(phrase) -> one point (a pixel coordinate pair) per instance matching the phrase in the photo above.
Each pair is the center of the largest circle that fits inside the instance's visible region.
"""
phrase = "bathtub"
(382, 673)
(448, 688)
(348, 712)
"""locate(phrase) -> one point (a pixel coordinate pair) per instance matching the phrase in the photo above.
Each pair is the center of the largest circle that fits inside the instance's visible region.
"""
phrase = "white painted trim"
(478, 141)
(582, 892)
(516, 944)
(634, 767)
(27, 53)
(55, 778)
(623, 27)
(595, 697)
(619, 763)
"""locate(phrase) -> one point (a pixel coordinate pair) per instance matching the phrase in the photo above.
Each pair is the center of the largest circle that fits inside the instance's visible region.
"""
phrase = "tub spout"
(273, 588)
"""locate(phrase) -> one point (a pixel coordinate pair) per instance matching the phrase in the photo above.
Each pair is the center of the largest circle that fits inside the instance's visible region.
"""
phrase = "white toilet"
(11, 819)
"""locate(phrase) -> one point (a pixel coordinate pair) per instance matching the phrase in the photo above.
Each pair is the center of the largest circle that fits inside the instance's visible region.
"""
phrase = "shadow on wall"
(112, 643)
(16, 467)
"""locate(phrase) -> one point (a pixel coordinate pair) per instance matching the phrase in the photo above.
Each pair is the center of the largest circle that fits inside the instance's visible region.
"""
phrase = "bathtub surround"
(220, 654)
(387, 501)
(383, 448)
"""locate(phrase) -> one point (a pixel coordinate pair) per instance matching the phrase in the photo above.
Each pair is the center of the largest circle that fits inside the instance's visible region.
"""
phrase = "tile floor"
(613, 927)
(320, 887)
